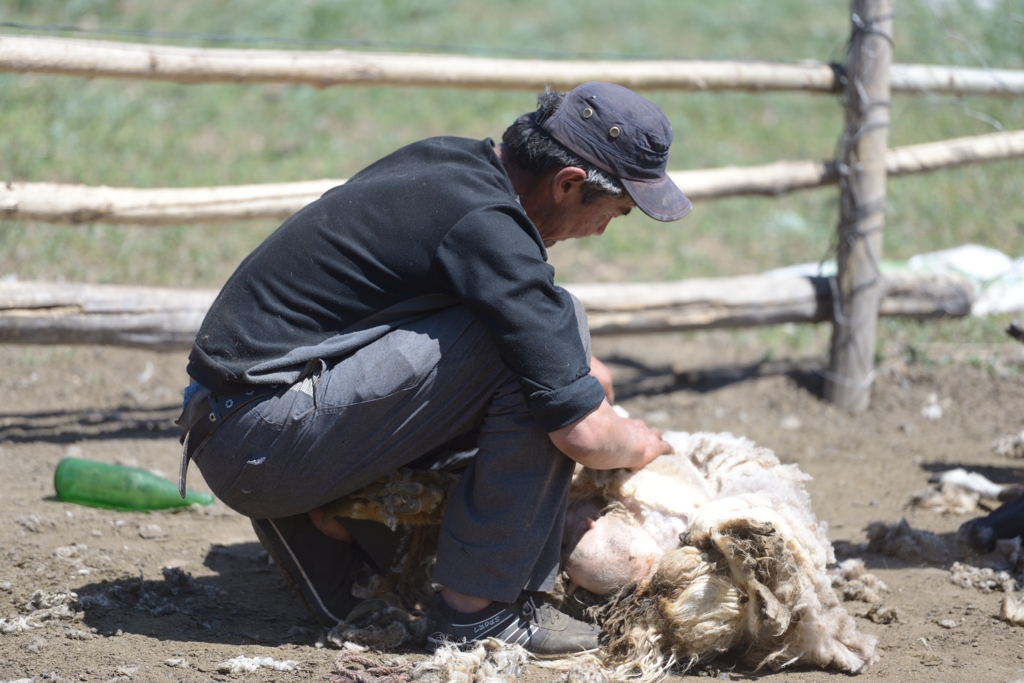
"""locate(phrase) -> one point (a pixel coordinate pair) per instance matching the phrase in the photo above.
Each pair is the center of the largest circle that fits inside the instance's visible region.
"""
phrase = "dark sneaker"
(537, 626)
(320, 569)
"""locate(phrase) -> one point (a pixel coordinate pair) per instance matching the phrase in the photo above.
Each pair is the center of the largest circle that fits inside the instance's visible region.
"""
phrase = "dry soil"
(118, 406)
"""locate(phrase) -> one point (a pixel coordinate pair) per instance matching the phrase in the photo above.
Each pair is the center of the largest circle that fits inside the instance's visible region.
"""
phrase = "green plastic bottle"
(100, 485)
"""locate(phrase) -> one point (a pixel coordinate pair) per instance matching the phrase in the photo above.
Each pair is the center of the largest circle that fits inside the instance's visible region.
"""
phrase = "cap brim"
(660, 199)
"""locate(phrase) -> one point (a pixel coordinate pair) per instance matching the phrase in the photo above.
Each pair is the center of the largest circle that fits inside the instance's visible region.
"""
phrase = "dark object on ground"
(1016, 330)
(1006, 521)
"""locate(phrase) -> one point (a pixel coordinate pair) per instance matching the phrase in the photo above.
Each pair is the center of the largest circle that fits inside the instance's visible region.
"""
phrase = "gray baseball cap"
(625, 135)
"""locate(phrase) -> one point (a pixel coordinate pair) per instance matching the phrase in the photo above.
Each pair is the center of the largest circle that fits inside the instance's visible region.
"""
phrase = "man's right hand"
(603, 441)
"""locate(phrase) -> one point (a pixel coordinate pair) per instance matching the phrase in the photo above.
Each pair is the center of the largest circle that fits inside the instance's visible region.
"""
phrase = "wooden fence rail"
(93, 58)
(166, 318)
(58, 203)
(145, 317)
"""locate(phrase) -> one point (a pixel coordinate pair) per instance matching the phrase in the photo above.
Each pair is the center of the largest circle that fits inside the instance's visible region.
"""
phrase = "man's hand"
(603, 441)
(330, 526)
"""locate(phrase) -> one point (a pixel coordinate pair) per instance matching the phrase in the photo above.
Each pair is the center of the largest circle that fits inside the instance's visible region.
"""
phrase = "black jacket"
(432, 224)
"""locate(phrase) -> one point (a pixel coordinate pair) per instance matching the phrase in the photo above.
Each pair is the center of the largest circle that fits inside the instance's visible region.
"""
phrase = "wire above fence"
(93, 58)
(60, 203)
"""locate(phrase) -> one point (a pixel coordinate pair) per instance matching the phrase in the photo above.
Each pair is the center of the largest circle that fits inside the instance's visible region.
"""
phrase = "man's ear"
(567, 182)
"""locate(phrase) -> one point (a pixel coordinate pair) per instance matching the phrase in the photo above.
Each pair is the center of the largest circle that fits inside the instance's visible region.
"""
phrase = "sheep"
(959, 492)
(715, 549)
(749, 574)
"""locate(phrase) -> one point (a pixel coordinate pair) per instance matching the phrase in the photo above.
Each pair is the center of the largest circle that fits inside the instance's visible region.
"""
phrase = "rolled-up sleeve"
(496, 265)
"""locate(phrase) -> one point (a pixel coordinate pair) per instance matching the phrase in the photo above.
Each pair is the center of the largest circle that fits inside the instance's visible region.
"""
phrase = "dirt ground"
(118, 406)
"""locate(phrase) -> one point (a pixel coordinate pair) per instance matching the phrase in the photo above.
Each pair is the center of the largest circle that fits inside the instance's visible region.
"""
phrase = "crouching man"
(409, 318)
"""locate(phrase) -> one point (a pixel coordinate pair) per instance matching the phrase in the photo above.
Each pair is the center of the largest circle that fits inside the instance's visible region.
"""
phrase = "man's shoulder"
(455, 145)
(437, 154)
(447, 169)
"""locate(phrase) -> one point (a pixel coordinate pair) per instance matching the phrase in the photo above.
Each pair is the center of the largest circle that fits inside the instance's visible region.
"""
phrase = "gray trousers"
(432, 388)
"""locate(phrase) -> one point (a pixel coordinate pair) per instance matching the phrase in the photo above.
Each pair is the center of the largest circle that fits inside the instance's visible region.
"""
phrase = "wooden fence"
(61, 203)
(93, 58)
(168, 318)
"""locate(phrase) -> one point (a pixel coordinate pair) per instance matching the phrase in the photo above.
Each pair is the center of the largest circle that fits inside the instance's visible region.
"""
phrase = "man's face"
(576, 219)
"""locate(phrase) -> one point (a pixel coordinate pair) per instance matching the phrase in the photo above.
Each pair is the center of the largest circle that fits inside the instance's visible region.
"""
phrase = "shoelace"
(542, 615)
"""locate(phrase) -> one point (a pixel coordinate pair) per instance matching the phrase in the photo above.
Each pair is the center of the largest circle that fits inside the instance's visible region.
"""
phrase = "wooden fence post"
(862, 176)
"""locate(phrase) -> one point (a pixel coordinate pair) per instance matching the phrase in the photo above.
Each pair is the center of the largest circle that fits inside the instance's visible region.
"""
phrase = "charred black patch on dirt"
(654, 380)
(68, 426)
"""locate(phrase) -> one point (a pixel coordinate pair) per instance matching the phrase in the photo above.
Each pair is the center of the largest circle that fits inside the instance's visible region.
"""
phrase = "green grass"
(130, 133)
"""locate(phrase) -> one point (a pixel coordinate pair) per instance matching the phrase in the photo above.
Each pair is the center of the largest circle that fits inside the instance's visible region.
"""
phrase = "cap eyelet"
(614, 131)
(588, 112)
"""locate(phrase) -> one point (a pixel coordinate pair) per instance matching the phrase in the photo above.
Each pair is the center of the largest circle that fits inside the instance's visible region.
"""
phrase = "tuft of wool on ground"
(882, 615)
(246, 665)
(43, 608)
(984, 579)
(488, 661)
(1000, 570)
(855, 582)
(1010, 446)
(1011, 610)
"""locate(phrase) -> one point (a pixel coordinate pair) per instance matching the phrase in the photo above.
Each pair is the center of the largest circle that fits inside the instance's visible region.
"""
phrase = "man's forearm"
(602, 440)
